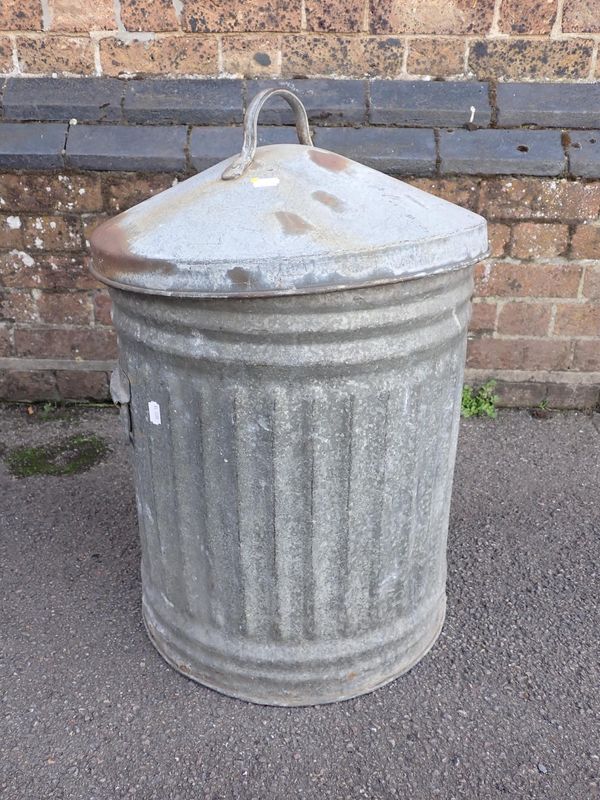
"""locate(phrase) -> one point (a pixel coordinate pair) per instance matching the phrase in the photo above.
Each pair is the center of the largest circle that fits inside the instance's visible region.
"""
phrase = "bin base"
(289, 686)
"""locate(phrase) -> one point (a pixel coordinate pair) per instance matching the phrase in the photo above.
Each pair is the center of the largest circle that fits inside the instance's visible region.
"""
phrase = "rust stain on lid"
(331, 161)
(329, 200)
(292, 224)
(113, 257)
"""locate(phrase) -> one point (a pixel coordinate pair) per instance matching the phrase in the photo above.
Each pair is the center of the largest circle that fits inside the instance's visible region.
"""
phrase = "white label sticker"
(259, 182)
(154, 412)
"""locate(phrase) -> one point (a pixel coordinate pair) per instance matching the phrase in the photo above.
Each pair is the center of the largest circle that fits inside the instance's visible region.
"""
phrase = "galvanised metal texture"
(284, 219)
(293, 460)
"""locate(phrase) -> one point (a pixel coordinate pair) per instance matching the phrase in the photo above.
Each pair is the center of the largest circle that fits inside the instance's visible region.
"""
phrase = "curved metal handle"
(239, 165)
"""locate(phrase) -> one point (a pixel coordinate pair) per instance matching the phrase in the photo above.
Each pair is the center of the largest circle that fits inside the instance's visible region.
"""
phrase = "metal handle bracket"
(240, 164)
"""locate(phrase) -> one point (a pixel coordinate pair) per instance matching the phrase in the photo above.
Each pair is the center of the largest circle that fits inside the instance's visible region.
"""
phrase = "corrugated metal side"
(294, 498)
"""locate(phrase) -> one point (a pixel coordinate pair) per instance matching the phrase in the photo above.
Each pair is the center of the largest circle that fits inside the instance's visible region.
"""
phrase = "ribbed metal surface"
(294, 499)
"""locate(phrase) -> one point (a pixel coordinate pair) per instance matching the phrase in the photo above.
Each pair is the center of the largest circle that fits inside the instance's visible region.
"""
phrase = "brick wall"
(510, 39)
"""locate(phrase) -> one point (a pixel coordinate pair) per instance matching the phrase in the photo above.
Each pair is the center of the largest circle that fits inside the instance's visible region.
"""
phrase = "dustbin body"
(293, 443)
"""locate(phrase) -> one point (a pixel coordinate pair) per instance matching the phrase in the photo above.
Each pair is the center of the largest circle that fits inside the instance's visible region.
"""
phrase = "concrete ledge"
(32, 145)
(392, 125)
(397, 151)
(583, 150)
(327, 101)
(187, 102)
(548, 105)
(117, 147)
(429, 104)
(496, 152)
(63, 99)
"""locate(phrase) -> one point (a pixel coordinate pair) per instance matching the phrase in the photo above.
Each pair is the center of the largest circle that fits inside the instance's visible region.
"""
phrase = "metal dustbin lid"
(284, 219)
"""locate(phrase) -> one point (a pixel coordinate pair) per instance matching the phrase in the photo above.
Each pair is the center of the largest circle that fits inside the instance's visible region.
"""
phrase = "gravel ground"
(506, 705)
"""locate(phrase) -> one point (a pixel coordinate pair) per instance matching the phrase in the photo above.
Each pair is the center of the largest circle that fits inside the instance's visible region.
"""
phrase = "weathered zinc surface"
(292, 329)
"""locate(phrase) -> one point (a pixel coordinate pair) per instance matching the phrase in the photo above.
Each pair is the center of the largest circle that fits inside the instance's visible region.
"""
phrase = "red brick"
(572, 395)
(30, 386)
(320, 54)
(591, 283)
(251, 55)
(462, 191)
(82, 385)
(17, 305)
(380, 56)
(5, 344)
(539, 240)
(581, 16)
(52, 233)
(520, 394)
(83, 343)
(102, 308)
(453, 17)
(437, 57)
(173, 55)
(527, 354)
(526, 319)
(23, 15)
(533, 16)
(50, 192)
(217, 16)
(81, 17)
(6, 60)
(126, 190)
(89, 223)
(504, 279)
(148, 15)
(539, 198)
(499, 236)
(11, 231)
(587, 355)
(19, 270)
(531, 59)
(586, 241)
(483, 318)
(68, 55)
(69, 308)
(338, 16)
(581, 319)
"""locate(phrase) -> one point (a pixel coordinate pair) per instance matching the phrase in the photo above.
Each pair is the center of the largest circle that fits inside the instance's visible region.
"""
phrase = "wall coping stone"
(400, 127)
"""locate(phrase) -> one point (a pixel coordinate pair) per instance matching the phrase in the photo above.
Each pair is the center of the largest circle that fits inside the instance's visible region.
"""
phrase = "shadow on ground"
(506, 705)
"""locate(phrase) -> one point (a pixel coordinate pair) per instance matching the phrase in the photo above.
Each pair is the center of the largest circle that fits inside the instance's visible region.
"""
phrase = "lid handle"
(240, 164)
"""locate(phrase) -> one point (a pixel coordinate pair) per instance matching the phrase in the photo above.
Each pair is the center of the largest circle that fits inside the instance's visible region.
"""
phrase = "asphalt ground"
(506, 705)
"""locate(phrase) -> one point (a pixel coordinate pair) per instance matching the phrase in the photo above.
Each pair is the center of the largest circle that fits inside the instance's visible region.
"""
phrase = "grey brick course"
(208, 146)
(584, 153)
(118, 147)
(498, 152)
(550, 105)
(398, 151)
(185, 101)
(328, 101)
(84, 99)
(429, 103)
(32, 145)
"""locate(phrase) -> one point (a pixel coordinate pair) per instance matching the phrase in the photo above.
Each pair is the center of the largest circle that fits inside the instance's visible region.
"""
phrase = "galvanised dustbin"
(292, 330)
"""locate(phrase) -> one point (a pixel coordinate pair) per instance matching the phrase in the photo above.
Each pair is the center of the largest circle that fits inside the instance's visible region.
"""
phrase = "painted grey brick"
(186, 101)
(500, 152)
(328, 101)
(122, 147)
(584, 153)
(550, 105)
(429, 103)
(84, 99)
(32, 145)
(208, 146)
(398, 151)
